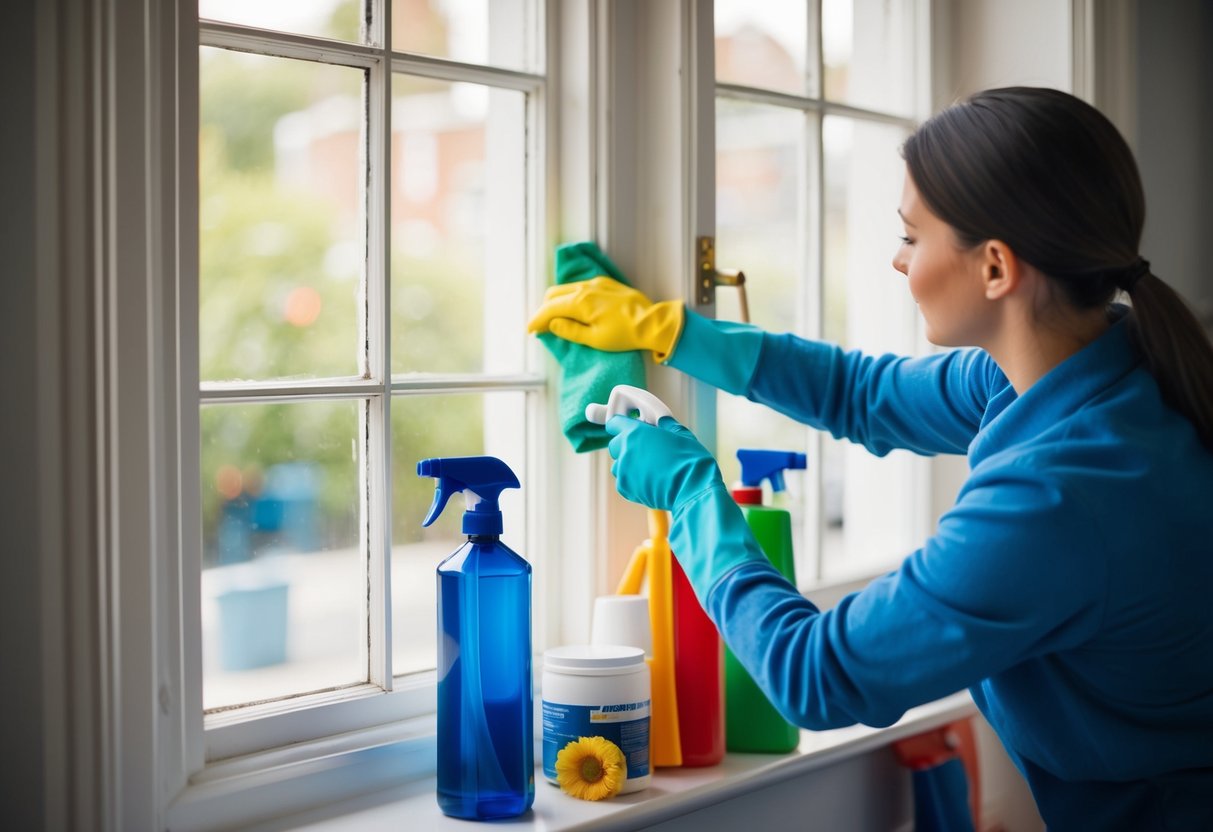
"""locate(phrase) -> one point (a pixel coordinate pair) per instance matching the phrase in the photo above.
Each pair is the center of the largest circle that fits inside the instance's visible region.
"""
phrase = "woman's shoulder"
(1131, 457)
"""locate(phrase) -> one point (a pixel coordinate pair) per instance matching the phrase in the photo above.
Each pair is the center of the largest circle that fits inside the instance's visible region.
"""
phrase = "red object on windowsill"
(933, 748)
(699, 677)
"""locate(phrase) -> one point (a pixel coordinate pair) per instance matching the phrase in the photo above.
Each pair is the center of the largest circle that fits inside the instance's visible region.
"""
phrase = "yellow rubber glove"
(605, 314)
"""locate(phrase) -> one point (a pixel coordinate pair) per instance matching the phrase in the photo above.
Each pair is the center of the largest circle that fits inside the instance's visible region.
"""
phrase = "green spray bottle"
(751, 722)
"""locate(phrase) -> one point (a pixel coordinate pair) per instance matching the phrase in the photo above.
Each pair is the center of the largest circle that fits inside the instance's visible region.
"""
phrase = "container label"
(626, 724)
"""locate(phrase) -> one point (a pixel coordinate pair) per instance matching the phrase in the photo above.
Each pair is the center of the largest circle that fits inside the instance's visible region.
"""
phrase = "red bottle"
(699, 677)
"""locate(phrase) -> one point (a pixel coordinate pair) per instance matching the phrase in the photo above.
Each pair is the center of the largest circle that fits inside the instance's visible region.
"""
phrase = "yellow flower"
(590, 768)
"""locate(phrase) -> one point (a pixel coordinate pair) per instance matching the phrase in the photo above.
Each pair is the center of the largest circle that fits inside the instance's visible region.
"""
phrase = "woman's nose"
(901, 263)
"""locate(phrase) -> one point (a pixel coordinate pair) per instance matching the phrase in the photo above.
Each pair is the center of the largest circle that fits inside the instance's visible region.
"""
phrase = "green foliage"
(258, 244)
(242, 97)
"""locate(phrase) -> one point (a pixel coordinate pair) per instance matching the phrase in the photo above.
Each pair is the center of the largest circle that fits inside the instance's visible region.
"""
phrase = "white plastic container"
(622, 619)
(597, 691)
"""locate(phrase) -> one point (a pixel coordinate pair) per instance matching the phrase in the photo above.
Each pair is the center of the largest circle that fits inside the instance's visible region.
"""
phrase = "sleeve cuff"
(710, 538)
(723, 354)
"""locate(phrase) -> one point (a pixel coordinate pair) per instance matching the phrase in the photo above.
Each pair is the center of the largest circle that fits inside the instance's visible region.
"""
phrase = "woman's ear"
(1001, 270)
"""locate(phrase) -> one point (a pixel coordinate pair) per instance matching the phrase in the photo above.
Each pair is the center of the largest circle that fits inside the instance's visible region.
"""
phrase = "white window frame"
(125, 266)
(384, 697)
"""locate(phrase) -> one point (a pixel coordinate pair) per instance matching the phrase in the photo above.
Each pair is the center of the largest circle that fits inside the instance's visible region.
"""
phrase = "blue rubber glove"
(659, 466)
(665, 467)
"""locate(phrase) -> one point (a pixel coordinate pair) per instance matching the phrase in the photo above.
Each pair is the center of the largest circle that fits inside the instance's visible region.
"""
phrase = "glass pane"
(283, 580)
(868, 51)
(434, 426)
(336, 19)
(458, 227)
(283, 235)
(760, 208)
(764, 45)
(869, 512)
(501, 33)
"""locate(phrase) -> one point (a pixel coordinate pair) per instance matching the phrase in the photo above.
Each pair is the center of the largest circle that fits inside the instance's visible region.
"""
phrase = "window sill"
(674, 792)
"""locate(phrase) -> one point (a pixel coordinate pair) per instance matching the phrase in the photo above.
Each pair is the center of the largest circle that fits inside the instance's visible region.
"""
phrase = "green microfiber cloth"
(588, 375)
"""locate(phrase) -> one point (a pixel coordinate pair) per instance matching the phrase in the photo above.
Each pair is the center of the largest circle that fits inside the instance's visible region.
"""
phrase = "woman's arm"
(1002, 581)
(932, 404)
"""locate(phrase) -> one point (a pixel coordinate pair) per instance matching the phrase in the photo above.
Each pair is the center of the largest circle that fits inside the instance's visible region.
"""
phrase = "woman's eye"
(906, 241)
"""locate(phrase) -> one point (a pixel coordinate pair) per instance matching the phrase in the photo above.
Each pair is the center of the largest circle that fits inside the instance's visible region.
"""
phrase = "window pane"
(867, 307)
(501, 33)
(458, 227)
(764, 45)
(760, 205)
(435, 426)
(282, 238)
(868, 51)
(283, 580)
(336, 19)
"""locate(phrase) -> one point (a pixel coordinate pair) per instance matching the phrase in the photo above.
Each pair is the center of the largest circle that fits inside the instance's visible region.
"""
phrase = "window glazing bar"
(753, 95)
(266, 391)
(467, 384)
(447, 70)
(377, 462)
(217, 392)
(287, 45)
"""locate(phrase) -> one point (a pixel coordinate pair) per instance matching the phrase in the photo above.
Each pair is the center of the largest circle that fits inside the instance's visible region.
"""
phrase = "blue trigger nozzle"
(481, 478)
(759, 465)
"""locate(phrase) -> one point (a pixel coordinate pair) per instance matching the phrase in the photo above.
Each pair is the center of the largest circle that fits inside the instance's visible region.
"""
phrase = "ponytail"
(1176, 349)
(1049, 175)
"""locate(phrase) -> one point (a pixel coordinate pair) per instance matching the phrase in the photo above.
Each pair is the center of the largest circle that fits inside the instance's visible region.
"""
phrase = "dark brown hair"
(1050, 176)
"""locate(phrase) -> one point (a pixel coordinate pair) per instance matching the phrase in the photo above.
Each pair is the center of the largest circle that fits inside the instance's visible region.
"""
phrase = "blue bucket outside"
(252, 627)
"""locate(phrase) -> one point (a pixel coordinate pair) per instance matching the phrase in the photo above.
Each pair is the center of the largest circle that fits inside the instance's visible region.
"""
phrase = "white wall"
(993, 43)
(1174, 140)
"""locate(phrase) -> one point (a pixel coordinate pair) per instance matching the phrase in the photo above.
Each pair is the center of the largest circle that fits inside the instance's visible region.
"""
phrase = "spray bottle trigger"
(441, 494)
(625, 400)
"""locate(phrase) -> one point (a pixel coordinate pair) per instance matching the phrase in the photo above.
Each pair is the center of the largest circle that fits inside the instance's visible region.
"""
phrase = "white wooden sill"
(398, 791)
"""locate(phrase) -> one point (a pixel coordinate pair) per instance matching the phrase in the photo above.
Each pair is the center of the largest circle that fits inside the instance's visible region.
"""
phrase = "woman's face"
(944, 279)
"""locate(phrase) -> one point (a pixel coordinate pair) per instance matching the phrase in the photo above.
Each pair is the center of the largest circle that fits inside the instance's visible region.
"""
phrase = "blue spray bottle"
(486, 766)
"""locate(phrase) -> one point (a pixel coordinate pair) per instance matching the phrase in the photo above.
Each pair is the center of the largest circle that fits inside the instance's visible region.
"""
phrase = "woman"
(1068, 586)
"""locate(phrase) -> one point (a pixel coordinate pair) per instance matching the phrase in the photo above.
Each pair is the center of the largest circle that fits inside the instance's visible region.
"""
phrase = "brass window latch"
(708, 277)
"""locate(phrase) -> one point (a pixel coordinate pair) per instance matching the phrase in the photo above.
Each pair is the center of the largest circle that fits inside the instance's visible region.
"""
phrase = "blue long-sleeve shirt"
(1068, 588)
